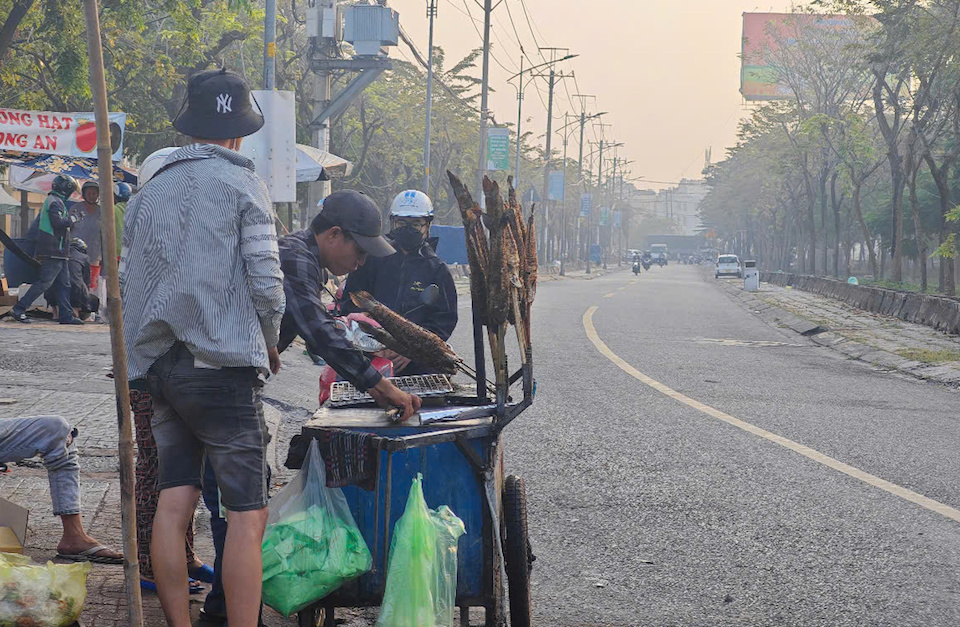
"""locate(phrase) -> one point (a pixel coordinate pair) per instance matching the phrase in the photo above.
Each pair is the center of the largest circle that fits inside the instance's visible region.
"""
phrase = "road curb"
(822, 336)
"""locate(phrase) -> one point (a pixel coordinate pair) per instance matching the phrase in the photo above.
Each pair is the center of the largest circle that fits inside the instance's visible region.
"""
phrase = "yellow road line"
(610, 295)
(806, 451)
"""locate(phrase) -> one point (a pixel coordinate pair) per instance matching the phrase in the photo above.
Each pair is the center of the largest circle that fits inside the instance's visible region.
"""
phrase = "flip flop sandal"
(90, 555)
(149, 586)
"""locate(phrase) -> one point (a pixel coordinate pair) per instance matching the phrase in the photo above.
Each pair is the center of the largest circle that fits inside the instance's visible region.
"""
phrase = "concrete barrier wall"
(939, 312)
(463, 271)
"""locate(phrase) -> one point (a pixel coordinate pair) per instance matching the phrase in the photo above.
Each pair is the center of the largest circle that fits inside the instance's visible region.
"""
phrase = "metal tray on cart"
(344, 394)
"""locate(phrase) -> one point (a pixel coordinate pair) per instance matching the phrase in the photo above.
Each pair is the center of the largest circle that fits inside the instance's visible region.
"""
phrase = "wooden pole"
(98, 86)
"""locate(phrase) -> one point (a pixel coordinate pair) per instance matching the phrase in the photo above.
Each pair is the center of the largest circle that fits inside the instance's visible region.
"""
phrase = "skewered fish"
(409, 339)
(477, 253)
(498, 300)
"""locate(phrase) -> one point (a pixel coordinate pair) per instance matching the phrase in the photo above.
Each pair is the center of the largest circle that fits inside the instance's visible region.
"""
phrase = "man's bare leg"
(243, 567)
(174, 509)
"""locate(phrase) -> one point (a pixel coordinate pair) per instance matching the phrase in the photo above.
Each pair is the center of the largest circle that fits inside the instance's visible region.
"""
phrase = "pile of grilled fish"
(502, 253)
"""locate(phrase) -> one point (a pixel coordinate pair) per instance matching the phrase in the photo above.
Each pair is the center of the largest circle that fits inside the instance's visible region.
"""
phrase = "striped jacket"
(199, 263)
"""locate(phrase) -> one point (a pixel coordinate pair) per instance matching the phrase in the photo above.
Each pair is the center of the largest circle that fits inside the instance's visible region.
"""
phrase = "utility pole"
(516, 165)
(270, 45)
(600, 190)
(319, 131)
(431, 13)
(545, 198)
(583, 121)
(484, 86)
(520, 84)
(565, 201)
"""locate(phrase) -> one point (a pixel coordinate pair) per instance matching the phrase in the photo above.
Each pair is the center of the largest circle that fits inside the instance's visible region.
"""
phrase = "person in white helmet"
(397, 281)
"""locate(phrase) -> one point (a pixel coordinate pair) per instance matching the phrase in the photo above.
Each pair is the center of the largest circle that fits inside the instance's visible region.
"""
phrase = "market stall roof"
(77, 167)
(8, 204)
(314, 164)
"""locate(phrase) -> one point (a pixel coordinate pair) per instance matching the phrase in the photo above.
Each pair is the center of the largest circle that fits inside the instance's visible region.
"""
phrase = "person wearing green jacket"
(121, 194)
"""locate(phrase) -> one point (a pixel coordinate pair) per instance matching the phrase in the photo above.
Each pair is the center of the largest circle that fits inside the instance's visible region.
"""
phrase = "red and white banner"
(50, 133)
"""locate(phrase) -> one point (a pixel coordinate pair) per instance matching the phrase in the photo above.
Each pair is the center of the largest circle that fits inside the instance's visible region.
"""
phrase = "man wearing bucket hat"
(203, 299)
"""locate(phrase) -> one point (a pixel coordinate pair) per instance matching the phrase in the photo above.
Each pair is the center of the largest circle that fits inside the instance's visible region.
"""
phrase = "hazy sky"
(666, 71)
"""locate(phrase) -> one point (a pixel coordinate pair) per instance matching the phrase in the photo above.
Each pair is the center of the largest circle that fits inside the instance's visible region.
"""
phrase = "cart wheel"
(518, 557)
(313, 616)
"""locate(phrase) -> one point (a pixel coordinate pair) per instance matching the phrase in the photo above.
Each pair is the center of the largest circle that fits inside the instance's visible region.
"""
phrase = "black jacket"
(80, 296)
(398, 280)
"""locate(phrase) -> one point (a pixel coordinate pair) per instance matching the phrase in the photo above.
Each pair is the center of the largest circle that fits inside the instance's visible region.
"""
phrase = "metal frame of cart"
(462, 464)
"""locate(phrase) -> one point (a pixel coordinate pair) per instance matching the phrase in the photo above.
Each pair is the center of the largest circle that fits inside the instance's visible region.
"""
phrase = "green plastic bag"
(422, 572)
(312, 544)
(51, 595)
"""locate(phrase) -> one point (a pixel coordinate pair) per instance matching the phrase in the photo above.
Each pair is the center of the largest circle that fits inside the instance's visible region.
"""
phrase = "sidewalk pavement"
(884, 341)
(46, 368)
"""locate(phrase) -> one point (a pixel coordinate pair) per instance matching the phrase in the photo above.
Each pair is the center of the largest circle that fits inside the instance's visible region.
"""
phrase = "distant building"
(680, 203)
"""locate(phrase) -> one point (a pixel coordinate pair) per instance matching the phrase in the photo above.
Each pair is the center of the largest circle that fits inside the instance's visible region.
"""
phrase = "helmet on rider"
(411, 213)
(121, 192)
(152, 164)
(411, 203)
(64, 186)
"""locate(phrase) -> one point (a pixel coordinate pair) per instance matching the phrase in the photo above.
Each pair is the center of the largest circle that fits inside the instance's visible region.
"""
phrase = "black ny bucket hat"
(218, 106)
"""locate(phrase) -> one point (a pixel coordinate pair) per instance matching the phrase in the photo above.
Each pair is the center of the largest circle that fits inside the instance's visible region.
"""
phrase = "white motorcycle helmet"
(152, 164)
(412, 203)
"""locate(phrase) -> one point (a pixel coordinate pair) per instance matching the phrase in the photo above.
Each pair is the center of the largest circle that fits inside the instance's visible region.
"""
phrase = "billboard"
(498, 148)
(768, 37)
(555, 186)
(586, 205)
(53, 133)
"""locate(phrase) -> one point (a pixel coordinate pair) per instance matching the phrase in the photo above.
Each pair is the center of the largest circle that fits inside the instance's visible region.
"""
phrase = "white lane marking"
(806, 451)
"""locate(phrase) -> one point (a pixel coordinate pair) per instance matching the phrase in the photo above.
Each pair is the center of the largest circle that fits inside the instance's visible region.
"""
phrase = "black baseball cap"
(358, 215)
(218, 106)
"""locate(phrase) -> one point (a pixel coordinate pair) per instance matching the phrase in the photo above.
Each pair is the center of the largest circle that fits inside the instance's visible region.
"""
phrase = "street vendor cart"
(455, 443)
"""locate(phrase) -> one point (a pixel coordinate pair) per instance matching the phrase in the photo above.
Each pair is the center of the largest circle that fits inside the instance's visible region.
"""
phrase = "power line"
(480, 35)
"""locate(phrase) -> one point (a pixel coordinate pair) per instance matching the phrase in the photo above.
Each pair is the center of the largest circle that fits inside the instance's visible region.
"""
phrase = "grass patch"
(901, 286)
(930, 356)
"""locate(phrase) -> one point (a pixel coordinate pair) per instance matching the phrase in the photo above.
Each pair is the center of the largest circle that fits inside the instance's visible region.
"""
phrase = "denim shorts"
(216, 411)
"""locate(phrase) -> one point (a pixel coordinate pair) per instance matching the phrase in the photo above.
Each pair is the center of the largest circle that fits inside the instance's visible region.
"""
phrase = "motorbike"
(662, 262)
(636, 267)
(429, 297)
(646, 264)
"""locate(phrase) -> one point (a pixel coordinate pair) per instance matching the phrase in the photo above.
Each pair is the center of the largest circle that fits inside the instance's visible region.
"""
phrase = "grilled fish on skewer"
(476, 245)
(498, 301)
(441, 364)
(415, 341)
(530, 259)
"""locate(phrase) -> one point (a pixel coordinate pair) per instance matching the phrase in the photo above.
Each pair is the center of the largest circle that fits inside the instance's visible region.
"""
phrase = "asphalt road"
(647, 511)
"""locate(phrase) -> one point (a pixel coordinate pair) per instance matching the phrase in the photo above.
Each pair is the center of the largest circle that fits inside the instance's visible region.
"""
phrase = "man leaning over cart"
(339, 239)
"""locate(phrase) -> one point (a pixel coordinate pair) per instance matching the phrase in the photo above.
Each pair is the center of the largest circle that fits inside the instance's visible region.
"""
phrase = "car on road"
(728, 265)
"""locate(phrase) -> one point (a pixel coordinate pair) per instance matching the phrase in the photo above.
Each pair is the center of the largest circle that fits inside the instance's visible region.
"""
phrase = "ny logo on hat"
(224, 102)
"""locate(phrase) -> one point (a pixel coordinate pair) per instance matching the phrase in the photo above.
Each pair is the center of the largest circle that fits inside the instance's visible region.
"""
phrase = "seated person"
(398, 280)
(78, 265)
(52, 439)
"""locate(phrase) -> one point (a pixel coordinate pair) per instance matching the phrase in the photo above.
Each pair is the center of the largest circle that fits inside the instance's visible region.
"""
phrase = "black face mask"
(408, 238)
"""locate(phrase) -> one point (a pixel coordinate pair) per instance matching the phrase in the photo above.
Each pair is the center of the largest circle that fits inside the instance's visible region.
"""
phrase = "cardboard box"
(14, 518)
